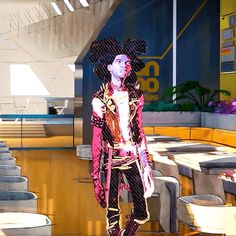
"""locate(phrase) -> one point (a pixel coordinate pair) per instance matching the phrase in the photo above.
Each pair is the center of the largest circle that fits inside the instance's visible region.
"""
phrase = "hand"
(99, 192)
(148, 182)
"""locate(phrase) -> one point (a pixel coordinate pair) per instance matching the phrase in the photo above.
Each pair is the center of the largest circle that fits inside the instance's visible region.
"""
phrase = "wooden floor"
(65, 193)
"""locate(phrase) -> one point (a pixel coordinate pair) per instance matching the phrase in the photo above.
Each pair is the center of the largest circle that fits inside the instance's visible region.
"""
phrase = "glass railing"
(41, 131)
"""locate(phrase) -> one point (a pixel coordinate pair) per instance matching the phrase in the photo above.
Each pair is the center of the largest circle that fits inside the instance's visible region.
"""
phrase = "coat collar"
(110, 104)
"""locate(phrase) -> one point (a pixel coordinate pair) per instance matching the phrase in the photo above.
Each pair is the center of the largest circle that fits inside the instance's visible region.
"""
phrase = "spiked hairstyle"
(103, 53)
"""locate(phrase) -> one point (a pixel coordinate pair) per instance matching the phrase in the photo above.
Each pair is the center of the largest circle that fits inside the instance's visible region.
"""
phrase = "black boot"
(131, 227)
(114, 231)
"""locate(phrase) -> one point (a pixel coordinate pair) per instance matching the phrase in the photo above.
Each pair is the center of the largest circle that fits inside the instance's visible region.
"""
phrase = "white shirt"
(121, 99)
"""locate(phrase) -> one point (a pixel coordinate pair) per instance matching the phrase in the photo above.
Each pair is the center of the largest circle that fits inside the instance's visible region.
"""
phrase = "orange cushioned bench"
(211, 135)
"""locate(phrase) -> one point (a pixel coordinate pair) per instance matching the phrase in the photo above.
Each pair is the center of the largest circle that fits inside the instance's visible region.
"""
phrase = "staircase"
(18, 206)
(14, 130)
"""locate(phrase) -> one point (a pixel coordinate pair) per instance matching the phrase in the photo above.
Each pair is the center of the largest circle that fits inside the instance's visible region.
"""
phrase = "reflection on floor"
(63, 185)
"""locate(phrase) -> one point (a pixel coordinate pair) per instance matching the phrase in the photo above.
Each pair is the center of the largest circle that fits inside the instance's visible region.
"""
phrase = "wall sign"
(232, 20)
(227, 33)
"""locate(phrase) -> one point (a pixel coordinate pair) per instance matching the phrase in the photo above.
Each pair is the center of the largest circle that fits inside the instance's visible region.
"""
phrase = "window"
(24, 81)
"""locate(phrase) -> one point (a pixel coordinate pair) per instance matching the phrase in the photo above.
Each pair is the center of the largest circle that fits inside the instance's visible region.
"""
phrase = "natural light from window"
(72, 67)
(25, 82)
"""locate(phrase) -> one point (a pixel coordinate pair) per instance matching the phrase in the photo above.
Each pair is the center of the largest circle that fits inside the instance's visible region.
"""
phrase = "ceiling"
(30, 30)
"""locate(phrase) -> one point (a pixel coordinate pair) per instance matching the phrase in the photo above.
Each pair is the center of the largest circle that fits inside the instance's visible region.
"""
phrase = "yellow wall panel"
(227, 81)
(227, 7)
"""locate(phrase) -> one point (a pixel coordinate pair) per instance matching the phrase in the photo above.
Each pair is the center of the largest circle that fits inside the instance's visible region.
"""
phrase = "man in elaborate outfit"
(118, 135)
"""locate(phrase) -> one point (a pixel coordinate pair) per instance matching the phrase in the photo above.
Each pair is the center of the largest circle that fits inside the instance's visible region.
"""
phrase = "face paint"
(120, 67)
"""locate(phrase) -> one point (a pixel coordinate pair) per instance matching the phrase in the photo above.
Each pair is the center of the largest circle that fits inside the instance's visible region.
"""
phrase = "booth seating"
(204, 211)
(209, 135)
(212, 136)
(207, 214)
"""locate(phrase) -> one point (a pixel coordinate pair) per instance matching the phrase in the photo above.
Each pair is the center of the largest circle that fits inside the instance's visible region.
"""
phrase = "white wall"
(57, 78)
(4, 80)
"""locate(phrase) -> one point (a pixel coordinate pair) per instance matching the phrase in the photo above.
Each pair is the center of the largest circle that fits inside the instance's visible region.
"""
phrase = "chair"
(207, 214)
(20, 106)
(163, 203)
(60, 109)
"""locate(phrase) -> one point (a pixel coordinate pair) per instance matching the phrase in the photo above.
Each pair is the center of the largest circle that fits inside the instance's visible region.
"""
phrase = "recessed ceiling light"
(84, 3)
(68, 4)
(56, 8)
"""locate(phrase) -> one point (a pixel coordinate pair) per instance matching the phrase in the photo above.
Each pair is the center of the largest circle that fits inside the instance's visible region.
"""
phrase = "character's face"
(120, 67)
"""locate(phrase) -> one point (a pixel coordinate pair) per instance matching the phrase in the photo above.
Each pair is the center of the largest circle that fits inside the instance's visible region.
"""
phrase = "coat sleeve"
(97, 122)
(142, 145)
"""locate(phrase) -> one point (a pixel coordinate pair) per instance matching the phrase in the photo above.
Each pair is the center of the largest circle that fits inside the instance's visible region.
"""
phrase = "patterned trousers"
(140, 212)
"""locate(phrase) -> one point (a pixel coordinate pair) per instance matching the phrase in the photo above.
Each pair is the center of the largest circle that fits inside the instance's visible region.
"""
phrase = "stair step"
(19, 125)
(24, 136)
(10, 170)
(7, 161)
(17, 131)
(13, 183)
(18, 223)
(18, 201)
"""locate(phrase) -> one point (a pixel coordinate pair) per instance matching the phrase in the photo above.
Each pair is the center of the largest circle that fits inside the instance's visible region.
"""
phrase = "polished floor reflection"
(65, 193)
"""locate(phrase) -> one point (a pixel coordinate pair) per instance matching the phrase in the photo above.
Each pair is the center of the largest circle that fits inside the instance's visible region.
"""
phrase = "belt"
(123, 150)
(121, 161)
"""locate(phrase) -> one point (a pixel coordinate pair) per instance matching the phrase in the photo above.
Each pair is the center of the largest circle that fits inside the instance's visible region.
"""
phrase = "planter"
(10, 170)
(218, 121)
(15, 223)
(7, 161)
(18, 201)
(172, 118)
(13, 183)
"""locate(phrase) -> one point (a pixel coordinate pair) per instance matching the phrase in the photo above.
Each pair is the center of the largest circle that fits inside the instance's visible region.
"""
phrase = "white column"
(174, 43)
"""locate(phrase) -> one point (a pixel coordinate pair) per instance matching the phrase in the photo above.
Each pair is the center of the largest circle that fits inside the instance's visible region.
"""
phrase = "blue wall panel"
(197, 47)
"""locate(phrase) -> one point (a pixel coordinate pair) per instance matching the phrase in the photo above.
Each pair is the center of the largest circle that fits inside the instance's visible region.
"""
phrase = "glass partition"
(41, 131)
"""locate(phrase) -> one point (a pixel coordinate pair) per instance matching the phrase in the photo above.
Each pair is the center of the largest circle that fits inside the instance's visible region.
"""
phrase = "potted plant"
(222, 117)
(190, 99)
(193, 93)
